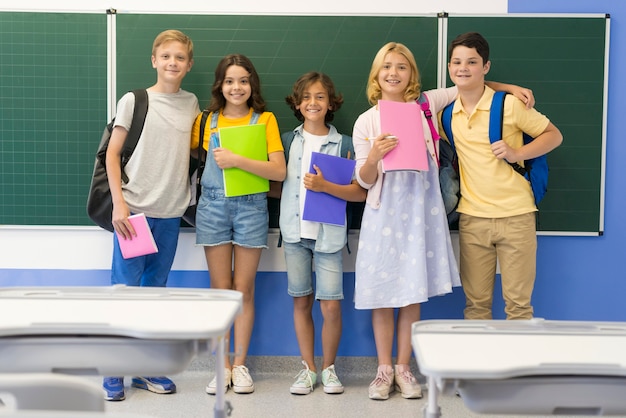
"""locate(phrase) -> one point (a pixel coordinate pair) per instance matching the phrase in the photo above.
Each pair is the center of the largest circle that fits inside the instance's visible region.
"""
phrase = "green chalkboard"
(54, 90)
(53, 105)
(282, 48)
(562, 59)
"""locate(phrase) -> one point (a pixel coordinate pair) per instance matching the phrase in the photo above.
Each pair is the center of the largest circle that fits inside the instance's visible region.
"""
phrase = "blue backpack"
(535, 170)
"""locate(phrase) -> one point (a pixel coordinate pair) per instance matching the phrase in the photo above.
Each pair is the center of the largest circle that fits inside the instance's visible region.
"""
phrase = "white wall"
(319, 7)
(84, 248)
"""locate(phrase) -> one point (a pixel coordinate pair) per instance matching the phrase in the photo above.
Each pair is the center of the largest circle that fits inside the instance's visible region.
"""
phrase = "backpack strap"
(496, 120)
(446, 123)
(287, 138)
(136, 127)
(496, 116)
(140, 110)
(422, 101)
(201, 151)
(347, 149)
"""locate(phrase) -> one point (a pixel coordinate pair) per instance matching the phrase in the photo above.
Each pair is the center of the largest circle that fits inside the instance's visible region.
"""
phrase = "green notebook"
(249, 141)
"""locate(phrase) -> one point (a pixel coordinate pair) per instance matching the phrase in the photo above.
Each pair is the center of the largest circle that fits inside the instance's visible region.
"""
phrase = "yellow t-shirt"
(490, 188)
(272, 133)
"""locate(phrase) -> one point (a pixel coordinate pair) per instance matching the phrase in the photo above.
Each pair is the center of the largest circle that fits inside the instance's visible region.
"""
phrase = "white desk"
(113, 331)
(532, 367)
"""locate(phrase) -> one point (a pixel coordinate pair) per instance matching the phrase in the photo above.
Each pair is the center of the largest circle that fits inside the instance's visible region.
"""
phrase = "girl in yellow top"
(233, 230)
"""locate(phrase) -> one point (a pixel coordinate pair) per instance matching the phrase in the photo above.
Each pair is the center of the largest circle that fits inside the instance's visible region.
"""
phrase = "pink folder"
(403, 120)
(143, 243)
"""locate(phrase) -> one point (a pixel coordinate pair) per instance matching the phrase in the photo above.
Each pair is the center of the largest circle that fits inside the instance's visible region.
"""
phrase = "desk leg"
(432, 409)
(222, 408)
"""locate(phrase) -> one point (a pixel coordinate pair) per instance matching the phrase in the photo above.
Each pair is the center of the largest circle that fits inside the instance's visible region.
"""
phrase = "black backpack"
(99, 201)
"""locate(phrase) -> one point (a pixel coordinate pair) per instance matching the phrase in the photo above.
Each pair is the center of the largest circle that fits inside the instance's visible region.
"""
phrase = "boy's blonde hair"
(171, 35)
(374, 92)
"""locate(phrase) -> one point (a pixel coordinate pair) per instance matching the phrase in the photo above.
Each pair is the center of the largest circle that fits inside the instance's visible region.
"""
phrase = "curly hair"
(295, 98)
(218, 101)
(374, 92)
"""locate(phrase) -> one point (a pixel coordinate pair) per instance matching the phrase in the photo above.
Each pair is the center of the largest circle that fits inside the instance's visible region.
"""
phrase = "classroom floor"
(273, 377)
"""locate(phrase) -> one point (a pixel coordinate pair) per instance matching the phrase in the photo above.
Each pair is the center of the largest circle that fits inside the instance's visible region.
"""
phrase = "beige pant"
(513, 242)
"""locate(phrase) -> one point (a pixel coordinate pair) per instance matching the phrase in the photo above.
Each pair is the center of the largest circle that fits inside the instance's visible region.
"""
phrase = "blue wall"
(578, 278)
(583, 278)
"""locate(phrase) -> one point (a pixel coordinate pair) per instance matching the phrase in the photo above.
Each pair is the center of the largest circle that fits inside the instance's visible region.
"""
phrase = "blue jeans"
(299, 258)
(149, 270)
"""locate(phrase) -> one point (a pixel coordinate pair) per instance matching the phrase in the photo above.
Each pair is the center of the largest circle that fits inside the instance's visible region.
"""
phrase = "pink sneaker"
(406, 382)
(382, 386)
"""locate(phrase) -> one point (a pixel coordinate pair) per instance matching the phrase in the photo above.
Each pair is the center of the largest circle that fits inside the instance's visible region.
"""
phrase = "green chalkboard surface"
(282, 48)
(53, 105)
(562, 59)
(54, 90)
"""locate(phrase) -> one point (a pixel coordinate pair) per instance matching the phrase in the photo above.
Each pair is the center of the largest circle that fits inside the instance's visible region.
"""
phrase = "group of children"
(404, 254)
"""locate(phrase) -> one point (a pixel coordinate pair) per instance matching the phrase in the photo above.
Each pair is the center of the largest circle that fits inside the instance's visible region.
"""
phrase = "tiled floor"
(273, 377)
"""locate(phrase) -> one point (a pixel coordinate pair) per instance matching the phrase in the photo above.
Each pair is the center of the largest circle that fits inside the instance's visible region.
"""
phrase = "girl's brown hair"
(218, 101)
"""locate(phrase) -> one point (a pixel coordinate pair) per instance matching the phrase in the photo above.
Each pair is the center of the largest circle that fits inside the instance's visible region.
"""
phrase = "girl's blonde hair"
(374, 92)
(171, 35)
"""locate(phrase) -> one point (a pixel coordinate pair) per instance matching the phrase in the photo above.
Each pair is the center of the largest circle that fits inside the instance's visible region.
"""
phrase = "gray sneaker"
(331, 381)
(305, 381)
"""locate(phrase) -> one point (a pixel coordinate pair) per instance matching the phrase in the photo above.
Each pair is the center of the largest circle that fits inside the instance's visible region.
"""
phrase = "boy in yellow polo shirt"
(497, 208)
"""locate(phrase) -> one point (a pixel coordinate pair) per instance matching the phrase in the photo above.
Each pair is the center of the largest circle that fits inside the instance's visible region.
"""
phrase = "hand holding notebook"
(404, 121)
(320, 206)
(143, 243)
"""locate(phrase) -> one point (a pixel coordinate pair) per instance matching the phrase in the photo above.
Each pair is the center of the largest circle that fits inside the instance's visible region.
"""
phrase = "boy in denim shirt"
(305, 242)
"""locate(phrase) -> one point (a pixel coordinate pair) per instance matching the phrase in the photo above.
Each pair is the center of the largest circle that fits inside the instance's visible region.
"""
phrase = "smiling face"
(394, 76)
(466, 68)
(172, 62)
(236, 86)
(315, 103)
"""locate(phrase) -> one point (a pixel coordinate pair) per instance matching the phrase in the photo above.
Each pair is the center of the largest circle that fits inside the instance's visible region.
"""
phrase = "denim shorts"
(240, 220)
(300, 257)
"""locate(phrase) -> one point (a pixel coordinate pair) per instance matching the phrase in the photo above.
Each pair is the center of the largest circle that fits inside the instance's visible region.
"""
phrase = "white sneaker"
(211, 388)
(406, 382)
(242, 381)
(305, 381)
(382, 386)
(331, 381)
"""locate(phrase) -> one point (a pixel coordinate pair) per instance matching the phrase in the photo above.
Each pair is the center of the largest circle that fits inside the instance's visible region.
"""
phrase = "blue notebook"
(322, 207)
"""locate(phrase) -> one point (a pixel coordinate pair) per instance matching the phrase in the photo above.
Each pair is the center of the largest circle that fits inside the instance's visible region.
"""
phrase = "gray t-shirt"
(158, 170)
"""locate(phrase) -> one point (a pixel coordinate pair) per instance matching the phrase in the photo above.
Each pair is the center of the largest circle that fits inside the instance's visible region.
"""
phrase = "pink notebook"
(143, 243)
(403, 120)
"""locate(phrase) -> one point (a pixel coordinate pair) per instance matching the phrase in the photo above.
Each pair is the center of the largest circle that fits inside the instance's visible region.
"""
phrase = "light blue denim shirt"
(331, 238)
